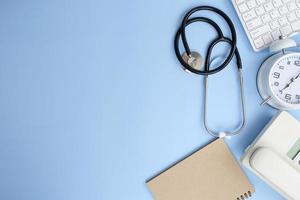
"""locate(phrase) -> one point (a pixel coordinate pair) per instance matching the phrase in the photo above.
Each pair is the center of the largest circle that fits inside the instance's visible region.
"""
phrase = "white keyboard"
(265, 20)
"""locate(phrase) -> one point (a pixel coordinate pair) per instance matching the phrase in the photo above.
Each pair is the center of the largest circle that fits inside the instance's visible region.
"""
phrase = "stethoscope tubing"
(207, 71)
(181, 32)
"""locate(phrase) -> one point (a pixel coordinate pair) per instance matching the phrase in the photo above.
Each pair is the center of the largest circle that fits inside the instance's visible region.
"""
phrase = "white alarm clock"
(278, 79)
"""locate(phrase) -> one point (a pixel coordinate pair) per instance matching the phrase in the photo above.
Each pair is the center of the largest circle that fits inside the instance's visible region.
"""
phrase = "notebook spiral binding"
(244, 196)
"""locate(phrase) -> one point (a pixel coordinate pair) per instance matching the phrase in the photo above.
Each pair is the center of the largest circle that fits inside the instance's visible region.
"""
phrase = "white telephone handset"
(280, 172)
(274, 155)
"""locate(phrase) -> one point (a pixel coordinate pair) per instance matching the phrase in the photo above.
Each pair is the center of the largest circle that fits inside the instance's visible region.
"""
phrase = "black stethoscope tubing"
(233, 49)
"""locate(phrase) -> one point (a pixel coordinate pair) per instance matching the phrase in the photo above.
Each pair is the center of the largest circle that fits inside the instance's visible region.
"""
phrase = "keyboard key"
(298, 3)
(259, 43)
(269, 6)
(249, 15)
(282, 21)
(266, 18)
(260, 31)
(283, 10)
(296, 25)
(277, 3)
(251, 4)
(243, 8)
(276, 34)
(254, 23)
(260, 10)
(292, 6)
(298, 13)
(274, 24)
(274, 14)
(239, 1)
(285, 31)
(291, 16)
(259, 2)
(267, 38)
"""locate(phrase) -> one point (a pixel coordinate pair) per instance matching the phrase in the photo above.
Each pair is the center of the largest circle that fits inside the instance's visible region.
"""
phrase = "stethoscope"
(193, 62)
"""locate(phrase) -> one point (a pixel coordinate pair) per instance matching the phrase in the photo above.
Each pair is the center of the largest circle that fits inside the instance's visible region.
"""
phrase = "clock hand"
(287, 85)
(290, 82)
(297, 76)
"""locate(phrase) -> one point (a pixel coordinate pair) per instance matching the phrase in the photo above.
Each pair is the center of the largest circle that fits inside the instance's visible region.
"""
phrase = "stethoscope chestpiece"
(194, 60)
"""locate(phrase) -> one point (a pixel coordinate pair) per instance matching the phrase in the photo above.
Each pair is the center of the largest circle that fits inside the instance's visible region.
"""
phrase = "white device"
(265, 21)
(274, 156)
(278, 79)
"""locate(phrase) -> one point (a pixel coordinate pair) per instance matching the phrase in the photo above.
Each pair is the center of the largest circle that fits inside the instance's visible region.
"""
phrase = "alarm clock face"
(285, 79)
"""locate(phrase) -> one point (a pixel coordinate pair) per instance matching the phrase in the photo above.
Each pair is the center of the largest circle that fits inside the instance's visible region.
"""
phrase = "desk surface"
(94, 102)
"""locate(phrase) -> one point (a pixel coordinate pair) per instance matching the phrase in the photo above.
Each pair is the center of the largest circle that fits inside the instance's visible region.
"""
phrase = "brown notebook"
(210, 173)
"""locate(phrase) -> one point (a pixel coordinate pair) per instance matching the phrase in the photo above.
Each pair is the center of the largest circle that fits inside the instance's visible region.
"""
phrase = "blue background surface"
(94, 102)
